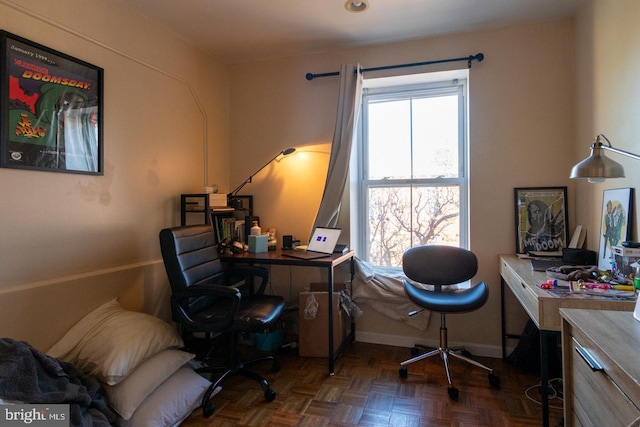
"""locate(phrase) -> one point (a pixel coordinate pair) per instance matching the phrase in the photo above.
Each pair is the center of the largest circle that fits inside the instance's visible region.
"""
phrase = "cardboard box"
(216, 200)
(623, 258)
(314, 332)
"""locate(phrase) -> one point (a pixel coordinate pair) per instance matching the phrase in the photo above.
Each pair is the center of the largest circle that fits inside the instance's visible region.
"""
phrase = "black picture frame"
(51, 109)
(541, 220)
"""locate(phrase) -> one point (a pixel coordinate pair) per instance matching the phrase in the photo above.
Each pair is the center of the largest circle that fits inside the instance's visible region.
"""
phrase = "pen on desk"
(622, 287)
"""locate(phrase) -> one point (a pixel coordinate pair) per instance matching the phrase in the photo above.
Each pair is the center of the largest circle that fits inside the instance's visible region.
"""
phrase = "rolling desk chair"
(205, 299)
(441, 266)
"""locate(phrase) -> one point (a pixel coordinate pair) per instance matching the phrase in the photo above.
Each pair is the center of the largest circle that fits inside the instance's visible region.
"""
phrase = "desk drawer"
(525, 296)
(597, 398)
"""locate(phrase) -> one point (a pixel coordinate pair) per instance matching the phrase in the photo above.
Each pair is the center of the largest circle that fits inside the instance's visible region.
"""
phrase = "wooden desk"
(544, 309)
(607, 397)
(276, 257)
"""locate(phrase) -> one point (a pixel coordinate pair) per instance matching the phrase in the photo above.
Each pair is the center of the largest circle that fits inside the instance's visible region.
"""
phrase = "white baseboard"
(398, 341)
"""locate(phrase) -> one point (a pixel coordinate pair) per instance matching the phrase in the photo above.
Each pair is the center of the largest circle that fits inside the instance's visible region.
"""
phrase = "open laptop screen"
(324, 240)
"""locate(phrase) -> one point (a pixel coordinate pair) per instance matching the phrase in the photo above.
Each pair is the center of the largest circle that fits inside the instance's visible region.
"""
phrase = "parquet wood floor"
(366, 390)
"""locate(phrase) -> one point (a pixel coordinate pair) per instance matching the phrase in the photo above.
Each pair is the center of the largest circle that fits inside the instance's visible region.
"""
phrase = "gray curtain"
(349, 97)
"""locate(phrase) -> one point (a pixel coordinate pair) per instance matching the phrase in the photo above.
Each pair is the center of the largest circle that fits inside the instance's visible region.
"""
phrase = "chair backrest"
(190, 256)
(439, 265)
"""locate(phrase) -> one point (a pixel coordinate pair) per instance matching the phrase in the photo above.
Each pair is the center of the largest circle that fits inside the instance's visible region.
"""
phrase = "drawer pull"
(588, 358)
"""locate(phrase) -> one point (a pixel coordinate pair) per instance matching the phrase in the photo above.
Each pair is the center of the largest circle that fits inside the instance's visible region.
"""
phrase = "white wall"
(608, 102)
(164, 101)
(521, 134)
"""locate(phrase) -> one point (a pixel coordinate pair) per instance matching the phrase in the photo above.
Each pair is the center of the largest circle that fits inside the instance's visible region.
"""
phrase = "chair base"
(240, 369)
(234, 366)
(444, 351)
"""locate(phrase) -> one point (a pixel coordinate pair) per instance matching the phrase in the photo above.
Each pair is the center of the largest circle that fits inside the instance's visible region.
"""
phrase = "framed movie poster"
(541, 220)
(614, 227)
(51, 116)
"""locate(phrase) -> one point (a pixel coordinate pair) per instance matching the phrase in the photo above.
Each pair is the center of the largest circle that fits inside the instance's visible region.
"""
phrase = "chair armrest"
(229, 294)
(248, 274)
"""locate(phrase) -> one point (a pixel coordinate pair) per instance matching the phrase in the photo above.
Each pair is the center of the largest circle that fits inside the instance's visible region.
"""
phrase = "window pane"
(432, 148)
(389, 140)
(403, 217)
(435, 137)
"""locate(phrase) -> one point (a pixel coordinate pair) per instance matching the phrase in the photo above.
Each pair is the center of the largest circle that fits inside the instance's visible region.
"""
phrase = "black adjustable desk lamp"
(232, 200)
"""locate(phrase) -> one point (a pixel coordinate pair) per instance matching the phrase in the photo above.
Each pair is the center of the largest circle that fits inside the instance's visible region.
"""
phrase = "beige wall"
(163, 102)
(521, 134)
(608, 101)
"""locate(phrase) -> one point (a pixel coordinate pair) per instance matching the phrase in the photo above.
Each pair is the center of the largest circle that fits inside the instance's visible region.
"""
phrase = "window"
(412, 169)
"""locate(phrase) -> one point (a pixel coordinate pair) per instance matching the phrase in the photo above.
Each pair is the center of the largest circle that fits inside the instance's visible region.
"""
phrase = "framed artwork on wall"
(541, 220)
(615, 226)
(51, 115)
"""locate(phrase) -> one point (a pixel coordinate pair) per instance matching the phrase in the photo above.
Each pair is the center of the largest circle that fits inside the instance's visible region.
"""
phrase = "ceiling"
(239, 31)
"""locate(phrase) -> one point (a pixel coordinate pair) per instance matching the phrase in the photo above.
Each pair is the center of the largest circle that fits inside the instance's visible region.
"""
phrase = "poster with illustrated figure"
(50, 109)
(541, 220)
(614, 227)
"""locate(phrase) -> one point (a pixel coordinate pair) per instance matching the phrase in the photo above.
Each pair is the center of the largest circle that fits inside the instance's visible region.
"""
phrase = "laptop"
(322, 243)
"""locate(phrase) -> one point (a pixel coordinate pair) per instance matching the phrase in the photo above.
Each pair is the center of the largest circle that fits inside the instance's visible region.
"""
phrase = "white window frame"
(436, 83)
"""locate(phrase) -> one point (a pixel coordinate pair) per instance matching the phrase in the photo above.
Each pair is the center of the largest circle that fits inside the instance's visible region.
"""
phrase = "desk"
(276, 257)
(544, 309)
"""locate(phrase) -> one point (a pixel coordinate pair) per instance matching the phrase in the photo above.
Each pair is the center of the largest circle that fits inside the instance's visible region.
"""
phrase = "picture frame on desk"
(541, 220)
(617, 212)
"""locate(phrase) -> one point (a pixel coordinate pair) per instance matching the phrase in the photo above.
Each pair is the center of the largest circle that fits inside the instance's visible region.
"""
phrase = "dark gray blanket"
(29, 376)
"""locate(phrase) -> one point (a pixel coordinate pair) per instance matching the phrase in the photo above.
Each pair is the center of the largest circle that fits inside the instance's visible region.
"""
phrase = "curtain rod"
(477, 57)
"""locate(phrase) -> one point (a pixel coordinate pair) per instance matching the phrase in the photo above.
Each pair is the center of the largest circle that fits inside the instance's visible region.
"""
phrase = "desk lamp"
(597, 166)
(233, 201)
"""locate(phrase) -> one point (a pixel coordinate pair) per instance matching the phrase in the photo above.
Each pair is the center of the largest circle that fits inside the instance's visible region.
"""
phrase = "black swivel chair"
(206, 299)
(440, 266)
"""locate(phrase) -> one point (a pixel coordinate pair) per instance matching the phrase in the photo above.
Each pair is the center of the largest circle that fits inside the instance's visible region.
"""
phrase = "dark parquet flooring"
(366, 390)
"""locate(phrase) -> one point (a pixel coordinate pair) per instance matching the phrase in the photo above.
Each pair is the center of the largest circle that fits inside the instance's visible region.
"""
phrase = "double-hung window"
(412, 168)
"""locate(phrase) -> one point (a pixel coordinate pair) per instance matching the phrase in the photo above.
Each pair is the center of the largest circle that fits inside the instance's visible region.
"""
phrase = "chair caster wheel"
(453, 392)
(415, 351)
(403, 372)
(207, 409)
(269, 395)
(494, 380)
(466, 353)
(275, 366)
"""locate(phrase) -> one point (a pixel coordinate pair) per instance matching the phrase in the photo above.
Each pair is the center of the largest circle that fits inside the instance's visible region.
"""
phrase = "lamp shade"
(597, 165)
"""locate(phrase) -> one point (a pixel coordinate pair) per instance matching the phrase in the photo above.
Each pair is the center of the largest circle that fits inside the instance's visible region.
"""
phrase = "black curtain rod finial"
(478, 57)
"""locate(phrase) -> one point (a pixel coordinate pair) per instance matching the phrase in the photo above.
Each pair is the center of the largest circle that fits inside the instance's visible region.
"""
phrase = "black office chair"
(206, 299)
(441, 266)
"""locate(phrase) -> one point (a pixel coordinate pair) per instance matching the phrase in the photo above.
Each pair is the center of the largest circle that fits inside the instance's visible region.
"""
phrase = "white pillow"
(129, 393)
(172, 401)
(110, 342)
